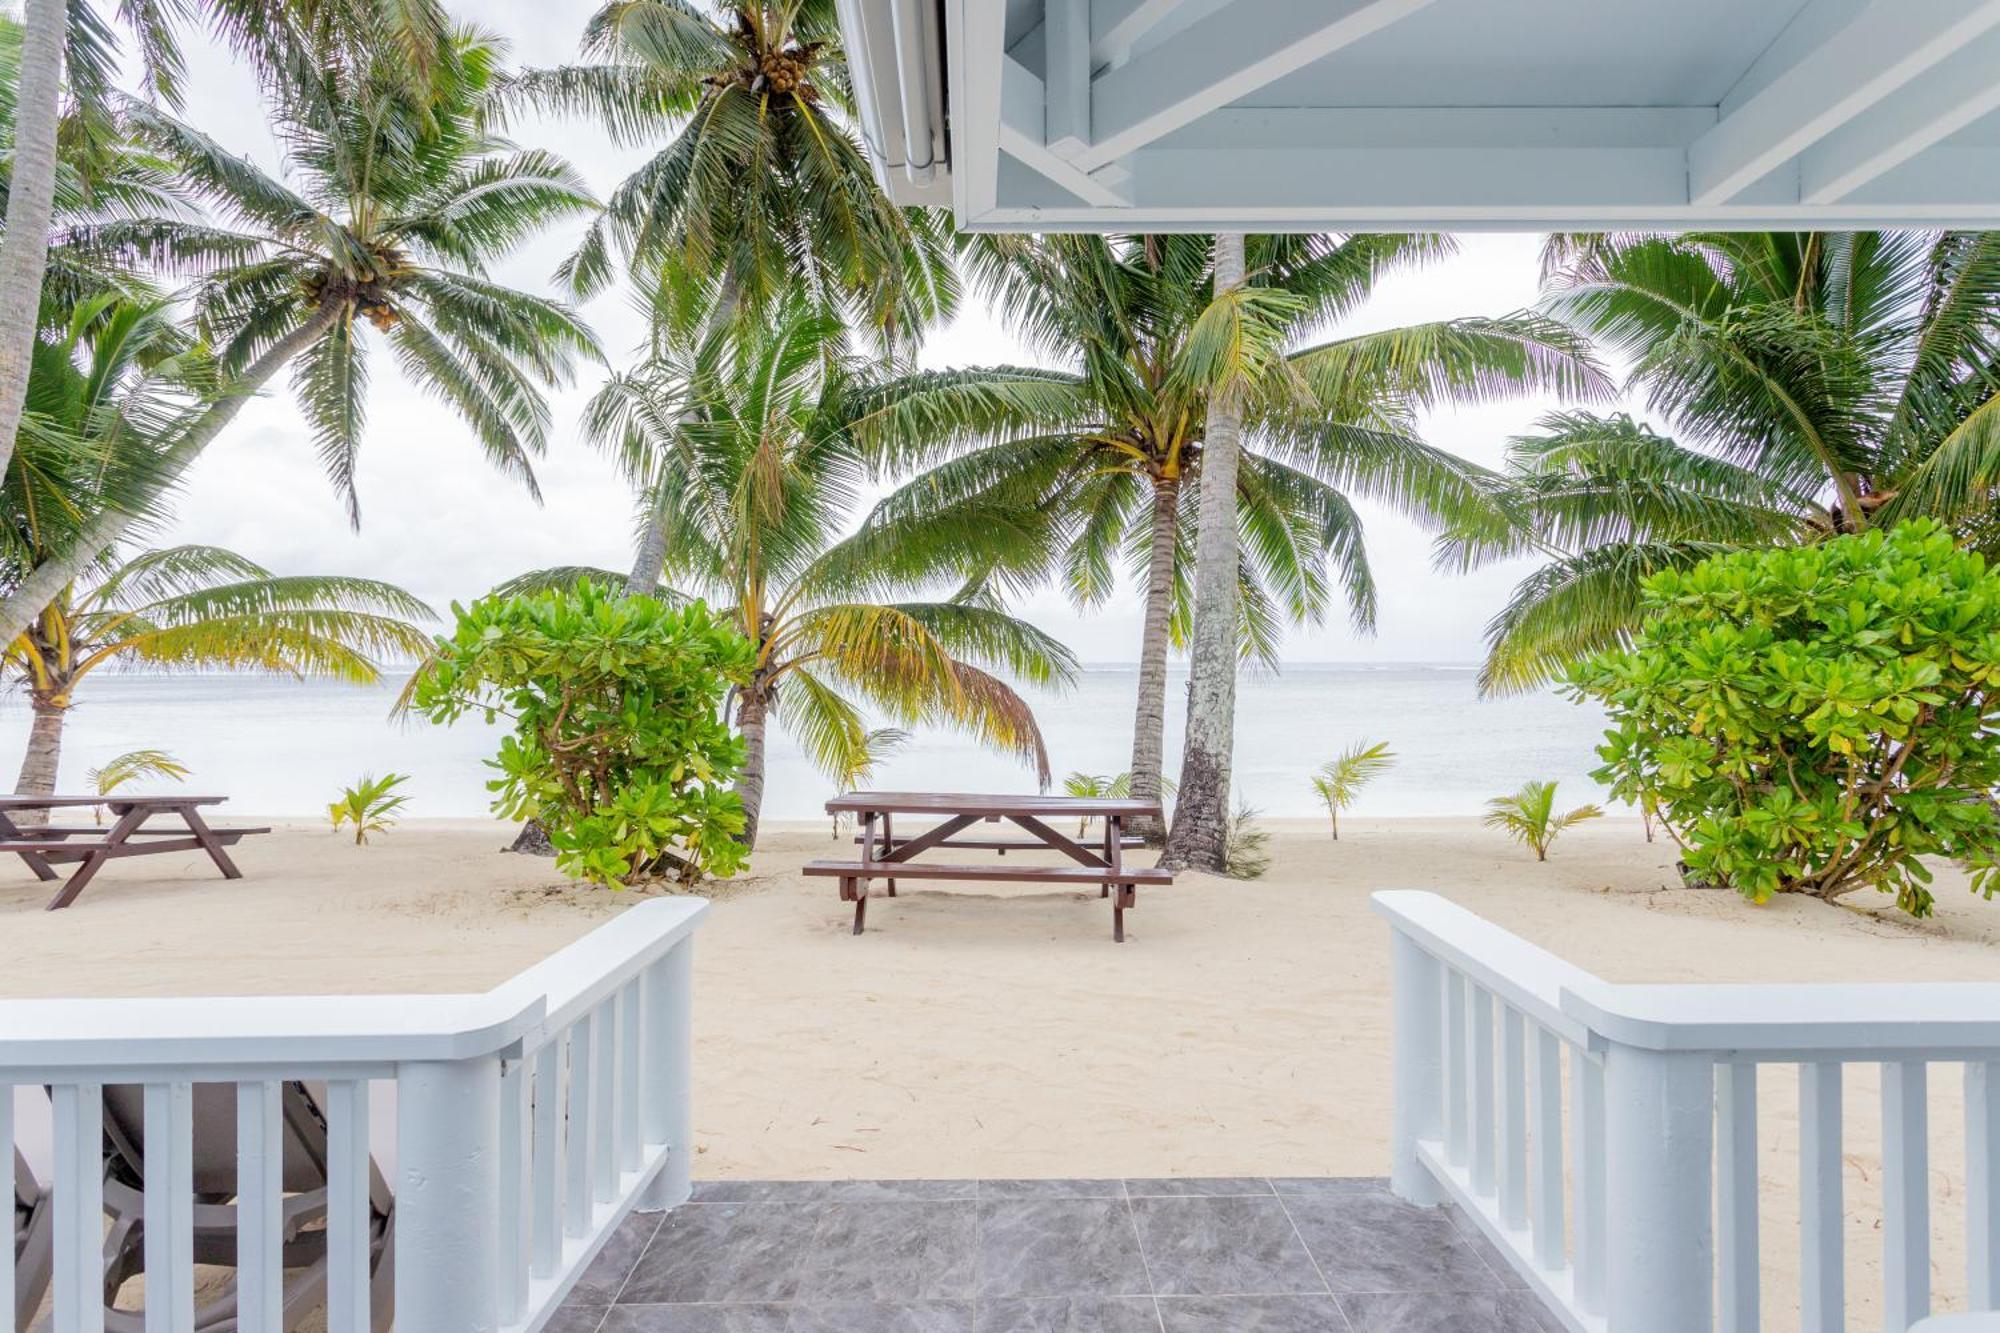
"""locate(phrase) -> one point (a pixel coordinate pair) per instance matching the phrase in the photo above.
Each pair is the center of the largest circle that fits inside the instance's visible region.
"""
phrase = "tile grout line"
(1132, 1220)
(1293, 1222)
(637, 1259)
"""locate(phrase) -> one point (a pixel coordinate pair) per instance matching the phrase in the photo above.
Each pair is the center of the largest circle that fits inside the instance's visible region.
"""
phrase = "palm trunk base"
(1199, 839)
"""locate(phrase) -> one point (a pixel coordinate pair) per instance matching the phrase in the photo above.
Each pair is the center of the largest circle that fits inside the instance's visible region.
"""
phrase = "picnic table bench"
(887, 856)
(43, 847)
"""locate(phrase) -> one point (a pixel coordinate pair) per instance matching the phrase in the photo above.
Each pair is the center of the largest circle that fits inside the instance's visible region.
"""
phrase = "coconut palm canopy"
(1815, 383)
(757, 183)
(390, 206)
(762, 476)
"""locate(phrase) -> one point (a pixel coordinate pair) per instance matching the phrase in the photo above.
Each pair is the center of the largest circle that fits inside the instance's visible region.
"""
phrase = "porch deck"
(1318, 1255)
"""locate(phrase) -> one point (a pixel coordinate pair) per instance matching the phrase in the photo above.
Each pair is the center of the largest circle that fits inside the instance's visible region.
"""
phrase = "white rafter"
(1224, 57)
(1889, 44)
(1023, 111)
(1067, 53)
(1961, 90)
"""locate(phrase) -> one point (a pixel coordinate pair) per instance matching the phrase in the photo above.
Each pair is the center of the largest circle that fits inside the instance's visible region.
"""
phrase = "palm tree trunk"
(1149, 726)
(24, 251)
(43, 760)
(1201, 808)
(47, 580)
(752, 719)
(650, 558)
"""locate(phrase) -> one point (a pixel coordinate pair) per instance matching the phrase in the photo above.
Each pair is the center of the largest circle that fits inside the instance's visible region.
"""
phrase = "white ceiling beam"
(1889, 44)
(1962, 89)
(1116, 26)
(1067, 51)
(1023, 120)
(1224, 57)
(974, 33)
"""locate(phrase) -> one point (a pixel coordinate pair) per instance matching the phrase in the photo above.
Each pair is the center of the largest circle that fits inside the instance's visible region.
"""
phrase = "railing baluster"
(669, 1063)
(1982, 1185)
(1906, 1213)
(349, 1211)
(630, 1153)
(169, 1230)
(604, 1102)
(1822, 1240)
(547, 1156)
(79, 1207)
(1482, 1090)
(1545, 1113)
(516, 1189)
(578, 1151)
(7, 1285)
(1586, 1083)
(1513, 1117)
(1457, 1099)
(260, 1181)
(1736, 1196)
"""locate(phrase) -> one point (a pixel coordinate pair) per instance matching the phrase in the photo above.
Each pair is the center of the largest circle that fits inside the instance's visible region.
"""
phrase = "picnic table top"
(61, 802)
(986, 803)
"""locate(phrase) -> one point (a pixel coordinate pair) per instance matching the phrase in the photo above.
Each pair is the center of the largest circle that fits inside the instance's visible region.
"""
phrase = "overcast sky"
(438, 521)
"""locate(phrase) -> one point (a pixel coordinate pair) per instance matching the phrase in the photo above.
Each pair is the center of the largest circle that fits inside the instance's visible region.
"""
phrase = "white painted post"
(1736, 1196)
(1658, 1150)
(448, 1195)
(1457, 1099)
(79, 1207)
(1482, 1091)
(670, 1074)
(604, 1102)
(260, 1207)
(1822, 1249)
(631, 1060)
(1545, 1113)
(1982, 1185)
(516, 1190)
(349, 1210)
(1586, 1091)
(1513, 1118)
(1419, 1072)
(169, 1231)
(579, 1129)
(1906, 1212)
(548, 1160)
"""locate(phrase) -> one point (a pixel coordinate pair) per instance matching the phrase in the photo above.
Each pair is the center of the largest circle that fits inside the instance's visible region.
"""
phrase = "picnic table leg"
(860, 904)
(37, 863)
(87, 870)
(888, 847)
(209, 842)
(1114, 852)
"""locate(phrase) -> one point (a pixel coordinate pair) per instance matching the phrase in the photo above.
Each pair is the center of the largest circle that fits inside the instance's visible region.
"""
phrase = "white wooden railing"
(527, 1122)
(1605, 1137)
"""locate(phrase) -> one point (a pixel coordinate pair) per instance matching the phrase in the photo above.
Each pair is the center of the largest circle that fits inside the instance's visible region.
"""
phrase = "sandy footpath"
(1242, 1029)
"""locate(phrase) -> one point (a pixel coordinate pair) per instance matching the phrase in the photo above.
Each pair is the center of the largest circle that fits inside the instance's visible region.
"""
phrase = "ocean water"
(282, 747)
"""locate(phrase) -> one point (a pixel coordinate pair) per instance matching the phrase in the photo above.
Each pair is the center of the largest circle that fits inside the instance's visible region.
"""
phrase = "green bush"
(1814, 719)
(619, 748)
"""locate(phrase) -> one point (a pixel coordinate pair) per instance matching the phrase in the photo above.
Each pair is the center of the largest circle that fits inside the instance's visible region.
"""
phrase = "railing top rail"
(136, 1033)
(1525, 975)
(1935, 1019)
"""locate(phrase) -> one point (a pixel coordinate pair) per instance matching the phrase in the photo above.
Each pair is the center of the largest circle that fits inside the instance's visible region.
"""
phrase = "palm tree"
(758, 187)
(195, 608)
(1341, 779)
(760, 472)
(1816, 383)
(1112, 448)
(400, 201)
(67, 49)
(1529, 816)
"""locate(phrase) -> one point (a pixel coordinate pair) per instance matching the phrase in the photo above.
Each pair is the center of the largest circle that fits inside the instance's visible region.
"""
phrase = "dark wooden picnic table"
(45, 846)
(889, 857)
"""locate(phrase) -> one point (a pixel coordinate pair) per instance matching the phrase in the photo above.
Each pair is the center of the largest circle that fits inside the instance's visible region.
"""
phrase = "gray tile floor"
(1049, 1256)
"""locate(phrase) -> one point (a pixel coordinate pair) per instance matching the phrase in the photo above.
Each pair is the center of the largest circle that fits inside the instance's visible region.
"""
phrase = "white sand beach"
(1242, 1030)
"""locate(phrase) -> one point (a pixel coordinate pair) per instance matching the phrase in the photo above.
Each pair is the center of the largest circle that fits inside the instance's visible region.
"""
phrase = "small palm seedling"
(1246, 845)
(1340, 780)
(876, 746)
(1089, 786)
(1529, 816)
(370, 805)
(130, 767)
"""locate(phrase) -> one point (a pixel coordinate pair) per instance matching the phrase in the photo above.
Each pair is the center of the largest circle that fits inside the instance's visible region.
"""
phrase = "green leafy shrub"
(1814, 719)
(619, 748)
(370, 805)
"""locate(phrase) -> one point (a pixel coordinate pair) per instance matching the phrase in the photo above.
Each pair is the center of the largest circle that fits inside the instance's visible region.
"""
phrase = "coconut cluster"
(369, 292)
